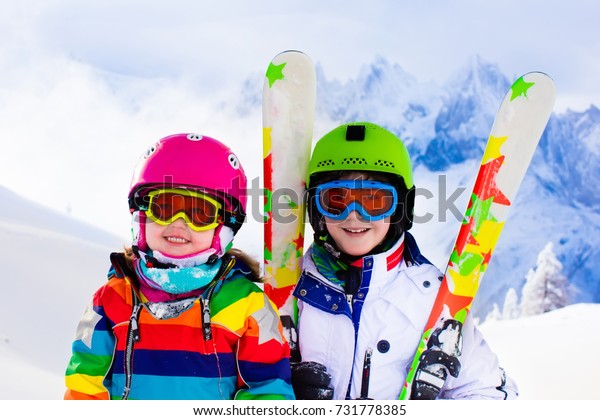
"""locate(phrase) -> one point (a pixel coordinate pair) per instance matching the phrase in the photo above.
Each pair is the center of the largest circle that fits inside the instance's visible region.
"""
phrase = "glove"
(438, 360)
(311, 381)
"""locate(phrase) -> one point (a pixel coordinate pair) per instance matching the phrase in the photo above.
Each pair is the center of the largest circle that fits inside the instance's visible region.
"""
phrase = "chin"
(357, 252)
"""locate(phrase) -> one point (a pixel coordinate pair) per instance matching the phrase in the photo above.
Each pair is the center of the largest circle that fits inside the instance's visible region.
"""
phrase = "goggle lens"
(198, 210)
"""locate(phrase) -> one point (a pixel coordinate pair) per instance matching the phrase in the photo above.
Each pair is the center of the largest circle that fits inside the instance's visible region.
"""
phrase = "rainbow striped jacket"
(225, 344)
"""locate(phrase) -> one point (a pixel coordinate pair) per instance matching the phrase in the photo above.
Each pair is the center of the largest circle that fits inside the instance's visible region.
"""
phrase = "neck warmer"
(339, 269)
(174, 280)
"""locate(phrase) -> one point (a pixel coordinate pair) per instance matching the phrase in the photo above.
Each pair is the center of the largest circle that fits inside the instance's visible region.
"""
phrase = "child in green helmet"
(366, 291)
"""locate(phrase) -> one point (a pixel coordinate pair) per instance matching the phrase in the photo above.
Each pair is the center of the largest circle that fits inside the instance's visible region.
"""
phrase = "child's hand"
(311, 381)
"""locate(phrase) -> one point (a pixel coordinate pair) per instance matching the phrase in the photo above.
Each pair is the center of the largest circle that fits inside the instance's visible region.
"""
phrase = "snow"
(22, 379)
(50, 273)
(551, 356)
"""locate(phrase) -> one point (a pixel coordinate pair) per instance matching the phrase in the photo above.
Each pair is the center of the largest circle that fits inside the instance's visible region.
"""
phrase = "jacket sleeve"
(263, 353)
(92, 353)
(481, 376)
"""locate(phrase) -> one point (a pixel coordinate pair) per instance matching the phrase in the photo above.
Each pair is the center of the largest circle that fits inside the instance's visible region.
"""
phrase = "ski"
(289, 94)
(518, 126)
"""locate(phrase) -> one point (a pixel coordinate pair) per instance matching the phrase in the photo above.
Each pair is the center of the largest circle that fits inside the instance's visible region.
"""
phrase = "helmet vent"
(385, 163)
(354, 161)
(327, 162)
(194, 137)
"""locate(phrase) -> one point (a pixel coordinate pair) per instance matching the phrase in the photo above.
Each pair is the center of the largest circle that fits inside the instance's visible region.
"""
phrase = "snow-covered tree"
(494, 315)
(532, 294)
(546, 288)
(511, 310)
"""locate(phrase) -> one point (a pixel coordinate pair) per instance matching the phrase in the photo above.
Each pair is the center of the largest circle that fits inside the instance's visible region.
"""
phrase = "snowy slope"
(22, 378)
(551, 356)
(51, 265)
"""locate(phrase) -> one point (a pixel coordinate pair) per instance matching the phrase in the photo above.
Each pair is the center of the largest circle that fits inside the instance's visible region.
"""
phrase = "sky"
(86, 87)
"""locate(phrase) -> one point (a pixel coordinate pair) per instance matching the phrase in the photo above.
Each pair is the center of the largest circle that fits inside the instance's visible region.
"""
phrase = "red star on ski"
(485, 186)
(299, 242)
(278, 295)
(465, 236)
(486, 258)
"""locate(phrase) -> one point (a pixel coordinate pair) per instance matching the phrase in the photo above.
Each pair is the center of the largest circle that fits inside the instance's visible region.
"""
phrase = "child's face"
(177, 239)
(355, 236)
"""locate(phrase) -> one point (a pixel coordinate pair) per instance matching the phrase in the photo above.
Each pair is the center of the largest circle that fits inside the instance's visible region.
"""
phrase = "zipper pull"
(366, 375)
(133, 322)
(206, 330)
(349, 299)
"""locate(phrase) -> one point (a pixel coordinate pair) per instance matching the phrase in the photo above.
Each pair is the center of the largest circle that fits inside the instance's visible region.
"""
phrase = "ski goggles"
(200, 211)
(373, 200)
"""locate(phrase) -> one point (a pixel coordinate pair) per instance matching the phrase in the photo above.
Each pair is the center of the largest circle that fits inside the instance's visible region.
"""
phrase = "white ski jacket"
(386, 316)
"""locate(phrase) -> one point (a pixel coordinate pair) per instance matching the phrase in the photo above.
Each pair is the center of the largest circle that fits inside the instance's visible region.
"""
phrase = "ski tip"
(535, 81)
(537, 74)
(292, 61)
(290, 53)
(538, 77)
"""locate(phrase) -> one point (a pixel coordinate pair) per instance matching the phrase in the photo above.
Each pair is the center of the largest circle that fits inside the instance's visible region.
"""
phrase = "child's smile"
(355, 236)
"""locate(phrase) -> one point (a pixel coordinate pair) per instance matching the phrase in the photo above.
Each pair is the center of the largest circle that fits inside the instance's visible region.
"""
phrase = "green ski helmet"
(362, 146)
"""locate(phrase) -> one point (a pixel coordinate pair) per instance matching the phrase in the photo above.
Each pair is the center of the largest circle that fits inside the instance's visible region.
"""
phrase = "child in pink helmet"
(181, 315)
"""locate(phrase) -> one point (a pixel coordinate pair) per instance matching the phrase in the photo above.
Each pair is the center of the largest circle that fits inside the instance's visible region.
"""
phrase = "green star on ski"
(520, 88)
(466, 262)
(291, 203)
(274, 73)
(480, 211)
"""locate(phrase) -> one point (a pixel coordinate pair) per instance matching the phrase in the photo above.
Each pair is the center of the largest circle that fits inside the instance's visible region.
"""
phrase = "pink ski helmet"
(194, 162)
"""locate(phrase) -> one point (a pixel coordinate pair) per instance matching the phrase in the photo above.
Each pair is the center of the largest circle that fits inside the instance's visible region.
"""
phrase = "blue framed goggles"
(373, 200)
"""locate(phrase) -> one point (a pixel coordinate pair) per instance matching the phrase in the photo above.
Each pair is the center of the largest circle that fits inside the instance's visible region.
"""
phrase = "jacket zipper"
(207, 295)
(133, 336)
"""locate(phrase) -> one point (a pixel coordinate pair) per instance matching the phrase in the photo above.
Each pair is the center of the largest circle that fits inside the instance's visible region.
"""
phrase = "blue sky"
(69, 137)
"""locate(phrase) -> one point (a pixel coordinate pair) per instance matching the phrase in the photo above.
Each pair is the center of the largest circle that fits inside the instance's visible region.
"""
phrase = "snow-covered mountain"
(446, 128)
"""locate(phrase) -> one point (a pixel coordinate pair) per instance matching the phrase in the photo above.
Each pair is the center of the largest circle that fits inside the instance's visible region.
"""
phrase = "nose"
(179, 221)
(354, 215)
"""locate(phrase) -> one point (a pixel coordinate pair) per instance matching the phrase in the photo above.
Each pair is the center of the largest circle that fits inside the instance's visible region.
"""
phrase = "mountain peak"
(479, 75)
(466, 117)
(384, 81)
